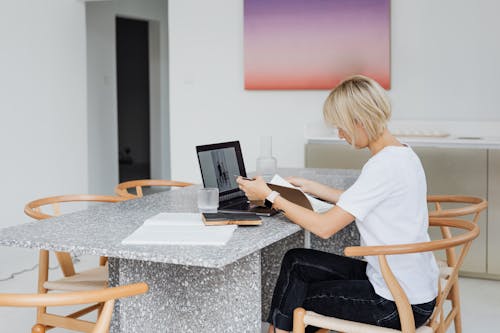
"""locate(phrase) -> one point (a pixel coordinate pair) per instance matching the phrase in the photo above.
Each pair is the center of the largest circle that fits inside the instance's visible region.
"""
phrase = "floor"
(480, 299)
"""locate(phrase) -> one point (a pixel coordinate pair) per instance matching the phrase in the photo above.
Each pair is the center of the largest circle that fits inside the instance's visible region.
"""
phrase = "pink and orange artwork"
(314, 44)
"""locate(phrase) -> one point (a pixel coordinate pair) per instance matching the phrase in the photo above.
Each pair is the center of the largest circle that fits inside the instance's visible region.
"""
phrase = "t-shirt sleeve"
(374, 185)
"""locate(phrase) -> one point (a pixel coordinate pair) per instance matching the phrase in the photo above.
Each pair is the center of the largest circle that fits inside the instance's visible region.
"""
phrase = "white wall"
(102, 103)
(43, 127)
(445, 59)
(445, 65)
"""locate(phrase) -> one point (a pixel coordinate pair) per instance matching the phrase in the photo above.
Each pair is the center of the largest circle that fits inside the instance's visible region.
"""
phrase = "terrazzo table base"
(235, 298)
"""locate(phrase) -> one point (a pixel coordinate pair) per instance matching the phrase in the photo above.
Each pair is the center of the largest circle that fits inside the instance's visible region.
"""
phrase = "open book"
(295, 195)
(179, 229)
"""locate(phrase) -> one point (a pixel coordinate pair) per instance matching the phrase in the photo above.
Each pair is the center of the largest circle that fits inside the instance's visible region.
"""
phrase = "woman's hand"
(255, 190)
(316, 189)
(305, 185)
(324, 225)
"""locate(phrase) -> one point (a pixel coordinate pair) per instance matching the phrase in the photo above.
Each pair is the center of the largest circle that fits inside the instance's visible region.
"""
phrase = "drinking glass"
(208, 200)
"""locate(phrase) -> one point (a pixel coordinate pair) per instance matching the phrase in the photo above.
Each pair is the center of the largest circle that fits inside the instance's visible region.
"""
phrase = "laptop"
(220, 164)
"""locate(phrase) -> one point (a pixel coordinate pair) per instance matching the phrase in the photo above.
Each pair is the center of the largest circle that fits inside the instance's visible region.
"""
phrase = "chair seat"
(91, 279)
(341, 325)
(444, 270)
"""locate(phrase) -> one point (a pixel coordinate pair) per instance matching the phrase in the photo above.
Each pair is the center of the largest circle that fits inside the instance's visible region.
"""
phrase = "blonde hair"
(358, 100)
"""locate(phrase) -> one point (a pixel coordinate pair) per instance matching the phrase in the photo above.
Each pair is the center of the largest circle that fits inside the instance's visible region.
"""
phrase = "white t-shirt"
(389, 202)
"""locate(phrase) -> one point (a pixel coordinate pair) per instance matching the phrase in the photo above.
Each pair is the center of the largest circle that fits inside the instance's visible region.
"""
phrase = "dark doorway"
(132, 58)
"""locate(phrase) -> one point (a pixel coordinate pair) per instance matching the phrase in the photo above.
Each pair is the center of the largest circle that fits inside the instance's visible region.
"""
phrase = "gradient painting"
(314, 44)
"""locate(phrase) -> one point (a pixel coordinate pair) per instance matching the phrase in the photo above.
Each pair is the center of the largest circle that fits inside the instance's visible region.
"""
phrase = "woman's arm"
(323, 225)
(316, 189)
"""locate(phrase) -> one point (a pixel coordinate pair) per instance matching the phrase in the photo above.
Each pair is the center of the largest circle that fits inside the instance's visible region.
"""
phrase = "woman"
(388, 204)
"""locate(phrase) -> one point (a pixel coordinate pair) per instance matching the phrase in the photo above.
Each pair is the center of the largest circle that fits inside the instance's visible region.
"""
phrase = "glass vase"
(266, 163)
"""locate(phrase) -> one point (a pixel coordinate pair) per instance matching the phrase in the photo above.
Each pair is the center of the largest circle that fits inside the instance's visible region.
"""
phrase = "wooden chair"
(122, 188)
(439, 321)
(469, 206)
(106, 297)
(457, 206)
(92, 279)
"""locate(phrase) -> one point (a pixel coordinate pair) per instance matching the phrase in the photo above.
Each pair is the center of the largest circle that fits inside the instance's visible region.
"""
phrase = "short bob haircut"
(358, 100)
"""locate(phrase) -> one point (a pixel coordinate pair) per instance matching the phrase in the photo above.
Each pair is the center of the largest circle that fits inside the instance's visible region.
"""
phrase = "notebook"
(295, 195)
(179, 229)
(219, 163)
(231, 218)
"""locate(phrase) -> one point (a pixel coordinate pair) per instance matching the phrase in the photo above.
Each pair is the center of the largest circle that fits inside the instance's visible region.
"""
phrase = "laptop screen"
(219, 163)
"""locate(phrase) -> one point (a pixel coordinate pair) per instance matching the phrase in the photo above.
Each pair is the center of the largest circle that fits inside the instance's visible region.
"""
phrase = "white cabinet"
(339, 156)
(474, 172)
(494, 212)
(462, 172)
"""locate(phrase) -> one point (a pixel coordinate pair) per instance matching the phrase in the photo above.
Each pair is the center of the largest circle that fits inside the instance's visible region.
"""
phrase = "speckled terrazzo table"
(192, 288)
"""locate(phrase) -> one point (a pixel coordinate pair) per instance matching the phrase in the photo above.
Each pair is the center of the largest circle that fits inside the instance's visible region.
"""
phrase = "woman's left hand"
(255, 190)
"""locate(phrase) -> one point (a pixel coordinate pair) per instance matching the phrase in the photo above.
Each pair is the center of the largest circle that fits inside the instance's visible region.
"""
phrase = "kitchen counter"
(446, 134)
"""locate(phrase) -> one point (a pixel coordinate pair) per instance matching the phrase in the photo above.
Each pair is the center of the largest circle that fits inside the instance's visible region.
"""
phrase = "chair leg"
(99, 310)
(298, 320)
(43, 276)
(38, 328)
(103, 261)
(455, 303)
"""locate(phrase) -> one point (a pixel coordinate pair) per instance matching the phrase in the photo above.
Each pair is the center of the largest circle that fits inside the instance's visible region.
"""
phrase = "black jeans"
(335, 286)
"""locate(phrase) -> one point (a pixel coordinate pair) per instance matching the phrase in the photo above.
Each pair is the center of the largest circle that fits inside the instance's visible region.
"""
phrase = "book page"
(177, 235)
(175, 219)
(179, 229)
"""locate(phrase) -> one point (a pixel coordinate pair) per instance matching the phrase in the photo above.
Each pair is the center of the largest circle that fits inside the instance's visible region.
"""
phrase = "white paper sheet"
(179, 229)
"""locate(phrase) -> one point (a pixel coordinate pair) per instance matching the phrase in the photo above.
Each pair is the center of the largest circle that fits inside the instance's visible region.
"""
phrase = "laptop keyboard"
(237, 205)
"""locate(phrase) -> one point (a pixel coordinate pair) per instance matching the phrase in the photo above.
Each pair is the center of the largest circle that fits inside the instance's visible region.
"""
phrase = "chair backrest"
(35, 209)
(468, 206)
(122, 189)
(449, 242)
(106, 296)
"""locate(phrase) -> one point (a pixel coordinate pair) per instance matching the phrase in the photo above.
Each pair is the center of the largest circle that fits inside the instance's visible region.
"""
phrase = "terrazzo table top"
(100, 229)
